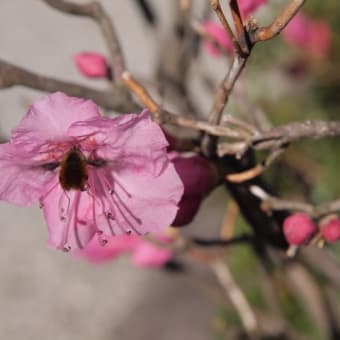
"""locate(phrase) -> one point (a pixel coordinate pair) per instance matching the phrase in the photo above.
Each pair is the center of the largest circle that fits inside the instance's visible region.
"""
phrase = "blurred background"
(49, 295)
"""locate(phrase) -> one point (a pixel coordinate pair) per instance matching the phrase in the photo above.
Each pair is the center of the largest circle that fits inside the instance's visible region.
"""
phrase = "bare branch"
(295, 131)
(237, 298)
(165, 117)
(221, 99)
(115, 99)
(270, 202)
(279, 23)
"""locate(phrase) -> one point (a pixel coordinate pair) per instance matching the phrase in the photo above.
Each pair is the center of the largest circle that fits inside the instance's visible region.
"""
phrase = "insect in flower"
(73, 172)
(95, 177)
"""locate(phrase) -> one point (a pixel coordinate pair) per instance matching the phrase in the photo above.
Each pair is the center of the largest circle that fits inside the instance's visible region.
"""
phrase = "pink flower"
(198, 178)
(217, 32)
(311, 36)
(93, 175)
(249, 6)
(91, 64)
(331, 230)
(298, 229)
(143, 252)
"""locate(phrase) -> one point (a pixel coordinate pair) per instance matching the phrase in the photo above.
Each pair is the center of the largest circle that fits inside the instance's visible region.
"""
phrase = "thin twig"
(295, 131)
(270, 202)
(95, 10)
(221, 99)
(256, 170)
(243, 238)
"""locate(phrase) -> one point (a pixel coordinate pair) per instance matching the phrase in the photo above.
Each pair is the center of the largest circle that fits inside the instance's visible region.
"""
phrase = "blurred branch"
(308, 292)
(323, 262)
(95, 10)
(115, 99)
(237, 298)
(147, 11)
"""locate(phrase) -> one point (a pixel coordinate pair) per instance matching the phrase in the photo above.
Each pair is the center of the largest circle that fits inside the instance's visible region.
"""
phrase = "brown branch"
(115, 99)
(216, 6)
(239, 26)
(322, 261)
(208, 144)
(280, 22)
(96, 11)
(274, 203)
(165, 117)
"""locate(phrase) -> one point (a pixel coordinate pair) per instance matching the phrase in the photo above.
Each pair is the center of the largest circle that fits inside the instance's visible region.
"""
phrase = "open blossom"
(143, 253)
(95, 177)
(91, 64)
(311, 36)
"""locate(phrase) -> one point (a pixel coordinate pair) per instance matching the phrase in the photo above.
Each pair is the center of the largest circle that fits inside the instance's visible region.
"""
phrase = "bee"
(73, 172)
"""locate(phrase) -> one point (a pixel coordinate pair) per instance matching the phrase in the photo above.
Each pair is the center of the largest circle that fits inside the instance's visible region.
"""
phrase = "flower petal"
(49, 118)
(22, 180)
(145, 203)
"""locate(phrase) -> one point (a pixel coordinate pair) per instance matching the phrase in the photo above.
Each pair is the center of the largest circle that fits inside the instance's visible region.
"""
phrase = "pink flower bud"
(195, 172)
(330, 231)
(91, 64)
(298, 229)
(217, 32)
(188, 208)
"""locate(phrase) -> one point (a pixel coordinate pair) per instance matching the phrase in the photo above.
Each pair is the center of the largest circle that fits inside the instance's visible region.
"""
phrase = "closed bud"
(196, 173)
(91, 64)
(299, 229)
(330, 230)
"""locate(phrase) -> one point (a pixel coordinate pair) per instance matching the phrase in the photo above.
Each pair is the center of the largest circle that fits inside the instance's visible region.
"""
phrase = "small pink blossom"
(143, 252)
(198, 178)
(298, 229)
(247, 7)
(311, 36)
(93, 176)
(91, 64)
(330, 230)
(217, 32)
